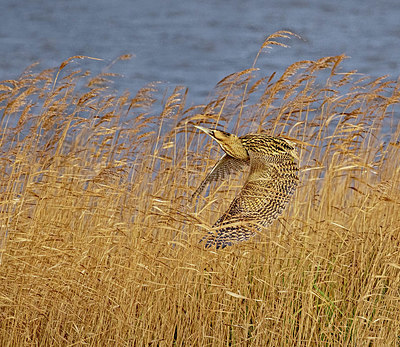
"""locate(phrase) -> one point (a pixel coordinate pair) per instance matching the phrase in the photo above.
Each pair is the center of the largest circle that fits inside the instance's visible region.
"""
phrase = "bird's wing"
(272, 181)
(223, 168)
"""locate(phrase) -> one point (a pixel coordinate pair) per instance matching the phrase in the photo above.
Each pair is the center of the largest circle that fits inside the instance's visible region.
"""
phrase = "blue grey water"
(197, 43)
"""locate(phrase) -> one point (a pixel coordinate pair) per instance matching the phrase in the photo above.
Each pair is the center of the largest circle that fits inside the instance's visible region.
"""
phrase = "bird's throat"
(235, 149)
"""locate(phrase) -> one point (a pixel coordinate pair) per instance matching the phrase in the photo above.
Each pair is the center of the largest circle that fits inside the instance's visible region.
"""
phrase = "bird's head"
(230, 143)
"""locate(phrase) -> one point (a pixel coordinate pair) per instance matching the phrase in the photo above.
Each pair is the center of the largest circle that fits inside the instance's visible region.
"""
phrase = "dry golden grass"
(100, 247)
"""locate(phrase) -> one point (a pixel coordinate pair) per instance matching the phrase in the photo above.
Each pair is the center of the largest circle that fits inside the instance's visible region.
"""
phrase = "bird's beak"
(207, 131)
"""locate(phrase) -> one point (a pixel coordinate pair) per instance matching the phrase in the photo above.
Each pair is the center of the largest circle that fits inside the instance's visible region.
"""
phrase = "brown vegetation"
(100, 247)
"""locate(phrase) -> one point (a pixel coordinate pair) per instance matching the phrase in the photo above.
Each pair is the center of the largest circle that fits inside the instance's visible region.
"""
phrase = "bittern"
(271, 182)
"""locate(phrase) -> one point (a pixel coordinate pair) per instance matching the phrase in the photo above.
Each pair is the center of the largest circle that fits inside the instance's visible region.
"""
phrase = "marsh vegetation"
(100, 246)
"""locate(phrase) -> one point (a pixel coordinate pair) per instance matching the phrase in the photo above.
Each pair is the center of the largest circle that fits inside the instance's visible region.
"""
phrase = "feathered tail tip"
(227, 236)
(215, 239)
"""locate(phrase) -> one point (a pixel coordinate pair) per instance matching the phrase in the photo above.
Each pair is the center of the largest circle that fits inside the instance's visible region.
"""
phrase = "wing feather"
(221, 170)
(271, 183)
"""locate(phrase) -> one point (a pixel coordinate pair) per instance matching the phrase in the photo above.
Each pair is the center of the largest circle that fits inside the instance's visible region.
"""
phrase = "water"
(197, 43)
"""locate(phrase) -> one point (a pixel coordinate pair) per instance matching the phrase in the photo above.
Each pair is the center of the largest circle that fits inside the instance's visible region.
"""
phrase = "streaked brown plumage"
(271, 182)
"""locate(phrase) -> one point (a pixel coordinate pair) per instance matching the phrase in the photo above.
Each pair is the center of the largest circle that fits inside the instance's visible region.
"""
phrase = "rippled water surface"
(196, 43)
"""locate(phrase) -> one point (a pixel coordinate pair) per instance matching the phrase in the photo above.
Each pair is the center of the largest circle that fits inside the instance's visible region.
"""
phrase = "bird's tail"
(228, 234)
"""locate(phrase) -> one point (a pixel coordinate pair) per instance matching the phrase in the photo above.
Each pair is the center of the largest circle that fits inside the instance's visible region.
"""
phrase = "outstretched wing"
(222, 169)
(267, 191)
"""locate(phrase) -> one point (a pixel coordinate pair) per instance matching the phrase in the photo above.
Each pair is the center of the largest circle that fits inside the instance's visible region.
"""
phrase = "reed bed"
(100, 243)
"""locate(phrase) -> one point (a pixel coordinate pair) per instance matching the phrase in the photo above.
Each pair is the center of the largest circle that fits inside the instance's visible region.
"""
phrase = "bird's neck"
(235, 149)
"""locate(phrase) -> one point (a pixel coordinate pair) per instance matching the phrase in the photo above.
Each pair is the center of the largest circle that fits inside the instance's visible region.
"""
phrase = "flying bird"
(271, 182)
